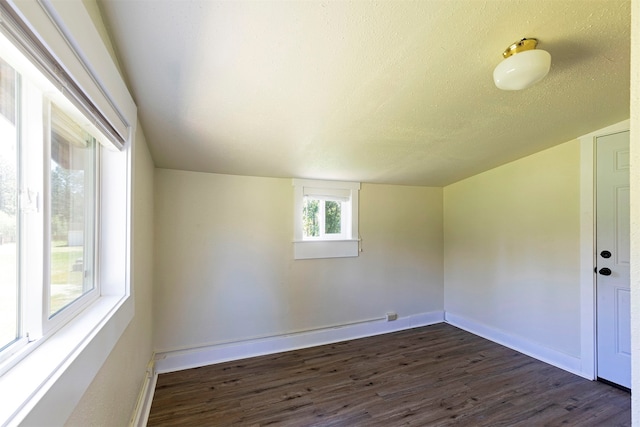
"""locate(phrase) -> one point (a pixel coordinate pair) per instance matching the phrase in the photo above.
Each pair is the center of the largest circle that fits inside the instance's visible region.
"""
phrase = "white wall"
(224, 269)
(512, 250)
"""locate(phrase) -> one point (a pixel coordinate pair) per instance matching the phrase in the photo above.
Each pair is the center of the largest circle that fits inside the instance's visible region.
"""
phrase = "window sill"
(44, 387)
(312, 249)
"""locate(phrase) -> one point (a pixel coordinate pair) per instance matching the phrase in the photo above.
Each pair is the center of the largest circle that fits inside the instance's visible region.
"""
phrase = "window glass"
(72, 189)
(321, 217)
(310, 217)
(333, 220)
(9, 311)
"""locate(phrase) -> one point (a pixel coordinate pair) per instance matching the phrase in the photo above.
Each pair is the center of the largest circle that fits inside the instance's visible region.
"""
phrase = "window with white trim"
(49, 197)
(325, 219)
(68, 133)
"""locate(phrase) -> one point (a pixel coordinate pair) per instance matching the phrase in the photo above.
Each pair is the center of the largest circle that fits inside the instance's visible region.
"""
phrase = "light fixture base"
(520, 46)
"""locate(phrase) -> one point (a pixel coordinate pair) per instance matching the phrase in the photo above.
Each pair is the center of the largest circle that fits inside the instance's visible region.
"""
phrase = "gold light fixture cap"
(520, 46)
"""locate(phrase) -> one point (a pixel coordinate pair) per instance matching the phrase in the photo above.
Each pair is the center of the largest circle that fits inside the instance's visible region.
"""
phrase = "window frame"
(345, 216)
(327, 246)
(35, 100)
(66, 362)
(53, 321)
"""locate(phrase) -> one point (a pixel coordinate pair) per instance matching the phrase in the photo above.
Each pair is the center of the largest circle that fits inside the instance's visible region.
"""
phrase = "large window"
(67, 126)
(48, 205)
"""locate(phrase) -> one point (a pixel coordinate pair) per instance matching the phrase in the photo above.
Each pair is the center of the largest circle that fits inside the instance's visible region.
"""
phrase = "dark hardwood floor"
(432, 376)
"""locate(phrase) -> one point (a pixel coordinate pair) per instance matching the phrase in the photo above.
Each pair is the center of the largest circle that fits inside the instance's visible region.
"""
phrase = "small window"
(323, 218)
(326, 219)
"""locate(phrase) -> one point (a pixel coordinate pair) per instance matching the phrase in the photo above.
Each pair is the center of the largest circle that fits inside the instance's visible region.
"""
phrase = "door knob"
(605, 254)
(605, 271)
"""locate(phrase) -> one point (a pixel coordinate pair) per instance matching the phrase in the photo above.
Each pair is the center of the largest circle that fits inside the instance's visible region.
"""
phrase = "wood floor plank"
(432, 376)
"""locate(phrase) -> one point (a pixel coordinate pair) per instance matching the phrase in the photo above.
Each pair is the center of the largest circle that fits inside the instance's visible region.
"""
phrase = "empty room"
(327, 213)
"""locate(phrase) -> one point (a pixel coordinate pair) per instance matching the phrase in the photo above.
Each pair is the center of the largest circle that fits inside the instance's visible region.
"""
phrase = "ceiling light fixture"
(523, 66)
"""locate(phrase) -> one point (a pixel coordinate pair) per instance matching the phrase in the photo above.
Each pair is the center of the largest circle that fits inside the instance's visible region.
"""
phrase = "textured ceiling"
(393, 92)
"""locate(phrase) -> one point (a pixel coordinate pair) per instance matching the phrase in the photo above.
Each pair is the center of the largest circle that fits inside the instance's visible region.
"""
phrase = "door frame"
(588, 349)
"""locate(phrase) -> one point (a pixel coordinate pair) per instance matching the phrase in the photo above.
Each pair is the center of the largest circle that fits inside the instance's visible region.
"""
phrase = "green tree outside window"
(332, 217)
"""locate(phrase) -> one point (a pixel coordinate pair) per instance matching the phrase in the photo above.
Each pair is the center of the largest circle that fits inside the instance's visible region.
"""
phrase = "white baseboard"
(143, 406)
(545, 354)
(171, 361)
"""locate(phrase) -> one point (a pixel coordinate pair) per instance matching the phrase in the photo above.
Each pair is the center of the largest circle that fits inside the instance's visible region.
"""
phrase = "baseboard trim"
(171, 361)
(143, 405)
(545, 354)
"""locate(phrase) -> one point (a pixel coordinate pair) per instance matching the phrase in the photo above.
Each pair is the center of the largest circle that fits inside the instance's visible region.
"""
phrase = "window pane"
(72, 211)
(9, 296)
(333, 221)
(310, 217)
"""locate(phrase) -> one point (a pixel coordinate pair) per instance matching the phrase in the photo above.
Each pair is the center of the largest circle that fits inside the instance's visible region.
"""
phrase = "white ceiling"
(396, 92)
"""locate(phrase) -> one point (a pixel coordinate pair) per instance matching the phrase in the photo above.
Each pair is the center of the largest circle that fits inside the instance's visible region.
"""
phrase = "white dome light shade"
(521, 70)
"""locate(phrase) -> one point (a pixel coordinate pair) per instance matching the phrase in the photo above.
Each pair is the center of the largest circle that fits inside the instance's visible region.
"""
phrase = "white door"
(612, 259)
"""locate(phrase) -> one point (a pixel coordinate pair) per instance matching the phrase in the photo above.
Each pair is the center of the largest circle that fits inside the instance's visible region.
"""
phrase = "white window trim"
(329, 247)
(47, 378)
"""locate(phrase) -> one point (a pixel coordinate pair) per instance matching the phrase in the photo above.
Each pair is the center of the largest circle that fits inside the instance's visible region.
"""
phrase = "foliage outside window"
(321, 218)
